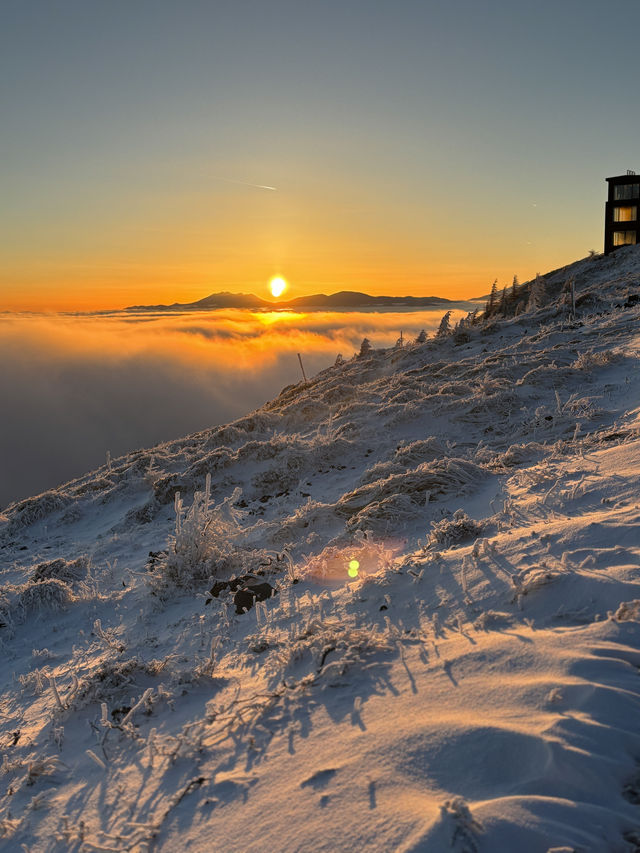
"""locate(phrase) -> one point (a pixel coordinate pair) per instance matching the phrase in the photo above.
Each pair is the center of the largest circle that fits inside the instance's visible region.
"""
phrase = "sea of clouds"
(77, 386)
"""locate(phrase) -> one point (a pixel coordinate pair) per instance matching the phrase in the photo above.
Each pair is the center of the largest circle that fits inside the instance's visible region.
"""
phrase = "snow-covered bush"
(68, 571)
(456, 529)
(588, 359)
(426, 482)
(114, 681)
(423, 450)
(516, 454)
(30, 510)
(50, 594)
(204, 543)
(385, 516)
(628, 611)
(324, 649)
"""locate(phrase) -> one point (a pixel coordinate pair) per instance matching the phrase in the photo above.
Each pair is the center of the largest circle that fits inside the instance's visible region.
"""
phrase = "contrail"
(245, 184)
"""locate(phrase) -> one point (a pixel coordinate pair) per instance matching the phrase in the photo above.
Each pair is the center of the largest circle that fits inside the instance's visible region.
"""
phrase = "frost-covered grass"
(449, 659)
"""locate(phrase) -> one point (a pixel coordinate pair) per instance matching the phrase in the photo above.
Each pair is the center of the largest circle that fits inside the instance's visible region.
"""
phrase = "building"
(621, 226)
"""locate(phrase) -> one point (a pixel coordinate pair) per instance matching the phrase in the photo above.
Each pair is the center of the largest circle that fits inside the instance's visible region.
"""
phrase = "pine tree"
(502, 308)
(514, 295)
(422, 337)
(444, 328)
(492, 301)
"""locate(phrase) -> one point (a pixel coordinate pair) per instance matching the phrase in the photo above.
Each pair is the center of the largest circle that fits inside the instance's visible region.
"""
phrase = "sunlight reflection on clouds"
(81, 384)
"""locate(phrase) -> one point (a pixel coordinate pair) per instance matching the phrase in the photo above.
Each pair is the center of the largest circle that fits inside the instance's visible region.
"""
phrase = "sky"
(156, 151)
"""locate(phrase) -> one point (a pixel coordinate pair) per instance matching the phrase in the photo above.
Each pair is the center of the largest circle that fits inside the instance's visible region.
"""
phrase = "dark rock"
(245, 598)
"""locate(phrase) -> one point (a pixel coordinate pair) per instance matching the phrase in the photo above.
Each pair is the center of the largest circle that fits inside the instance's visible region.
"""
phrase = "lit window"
(625, 214)
(624, 238)
(624, 191)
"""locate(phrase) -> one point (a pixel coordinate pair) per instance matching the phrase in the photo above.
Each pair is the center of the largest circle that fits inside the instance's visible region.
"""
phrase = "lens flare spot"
(277, 286)
(354, 567)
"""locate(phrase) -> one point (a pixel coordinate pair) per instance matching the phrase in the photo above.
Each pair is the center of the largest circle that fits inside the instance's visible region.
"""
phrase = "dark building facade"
(621, 226)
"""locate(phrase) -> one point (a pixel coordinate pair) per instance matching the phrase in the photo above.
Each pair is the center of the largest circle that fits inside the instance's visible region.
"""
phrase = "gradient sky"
(415, 146)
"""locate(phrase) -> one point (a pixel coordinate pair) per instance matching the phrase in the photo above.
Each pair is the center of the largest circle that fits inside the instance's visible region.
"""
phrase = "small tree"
(502, 308)
(537, 294)
(365, 348)
(493, 300)
(422, 337)
(444, 328)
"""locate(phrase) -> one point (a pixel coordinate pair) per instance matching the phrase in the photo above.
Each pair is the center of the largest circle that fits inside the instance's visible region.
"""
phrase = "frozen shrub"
(68, 571)
(516, 454)
(326, 648)
(449, 531)
(203, 543)
(365, 348)
(50, 594)
(259, 421)
(628, 611)
(392, 513)
(30, 510)
(165, 488)
(115, 680)
(426, 482)
(423, 450)
(217, 460)
(379, 471)
(589, 359)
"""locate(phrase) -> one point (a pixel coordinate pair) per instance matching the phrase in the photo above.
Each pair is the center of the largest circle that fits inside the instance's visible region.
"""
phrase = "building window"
(625, 214)
(624, 191)
(624, 238)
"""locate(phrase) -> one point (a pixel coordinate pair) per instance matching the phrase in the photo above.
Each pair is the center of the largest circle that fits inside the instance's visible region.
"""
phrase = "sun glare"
(277, 286)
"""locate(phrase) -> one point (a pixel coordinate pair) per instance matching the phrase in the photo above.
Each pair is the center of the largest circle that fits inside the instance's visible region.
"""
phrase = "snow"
(474, 688)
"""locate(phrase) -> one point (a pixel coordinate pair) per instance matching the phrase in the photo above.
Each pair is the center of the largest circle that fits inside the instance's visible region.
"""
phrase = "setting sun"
(277, 286)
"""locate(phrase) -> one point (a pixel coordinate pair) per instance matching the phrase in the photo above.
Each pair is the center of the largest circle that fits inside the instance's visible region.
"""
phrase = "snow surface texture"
(471, 685)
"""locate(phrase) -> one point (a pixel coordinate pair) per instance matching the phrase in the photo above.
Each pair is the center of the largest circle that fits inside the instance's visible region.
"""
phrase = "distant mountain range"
(343, 299)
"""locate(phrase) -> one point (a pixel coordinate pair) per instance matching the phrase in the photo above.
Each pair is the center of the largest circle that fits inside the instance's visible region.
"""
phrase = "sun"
(277, 286)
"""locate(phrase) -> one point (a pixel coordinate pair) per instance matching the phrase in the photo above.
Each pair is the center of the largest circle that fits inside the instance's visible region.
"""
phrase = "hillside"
(343, 299)
(448, 659)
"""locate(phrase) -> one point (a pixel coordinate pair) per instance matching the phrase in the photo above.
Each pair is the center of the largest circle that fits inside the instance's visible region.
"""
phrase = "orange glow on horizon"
(157, 275)
(103, 292)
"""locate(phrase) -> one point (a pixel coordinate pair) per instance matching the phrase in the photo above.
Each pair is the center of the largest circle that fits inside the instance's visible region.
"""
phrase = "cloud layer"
(77, 386)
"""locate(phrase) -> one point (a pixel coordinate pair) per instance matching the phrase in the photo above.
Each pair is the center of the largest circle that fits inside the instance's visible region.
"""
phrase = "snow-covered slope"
(449, 659)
